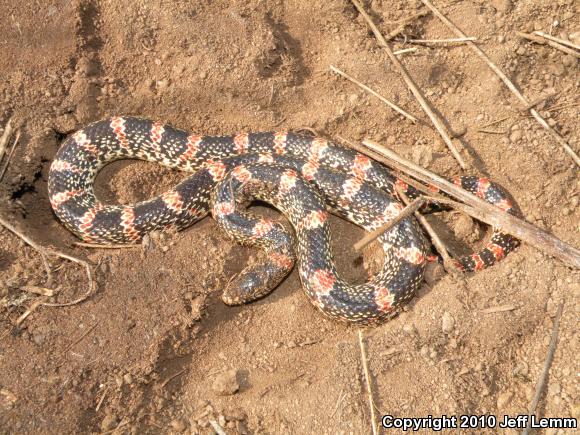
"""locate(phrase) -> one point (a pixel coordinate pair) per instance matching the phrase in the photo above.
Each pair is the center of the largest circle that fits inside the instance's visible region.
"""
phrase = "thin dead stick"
(477, 207)
(83, 335)
(109, 246)
(491, 131)
(499, 309)
(376, 94)
(37, 303)
(539, 100)
(338, 402)
(363, 354)
(10, 154)
(547, 365)
(440, 41)
(5, 137)
(218, 429)
(448, 262)
(540, 40)
(102, 399)
(45, 251)
(558, 40)
(43, 291)
(404, 24)
(497, 121)
(405, 50)
(407, 211)
(507, 82)
(412, 86)
(172, 377)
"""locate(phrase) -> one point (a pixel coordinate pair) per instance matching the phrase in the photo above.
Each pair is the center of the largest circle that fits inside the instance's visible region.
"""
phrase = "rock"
(109, 422)
(434, 271)
(515, 136)
(465, 228)
(569, 61)
(447, 322)
(38, 338)
(502, 6)
(178, 424)
(409, 329)
(128, 378)
(503, 399)
(422, 155)
(226, 384)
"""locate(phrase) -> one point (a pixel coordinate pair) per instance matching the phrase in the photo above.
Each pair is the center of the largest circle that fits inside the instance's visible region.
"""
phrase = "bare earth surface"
(155, 350)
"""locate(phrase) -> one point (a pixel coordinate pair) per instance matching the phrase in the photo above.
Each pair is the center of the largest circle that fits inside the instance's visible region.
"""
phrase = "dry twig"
(475, 206)
(376, 94)
(558, 40)
(46, 252)
(440, 41)
(448, 262)
(172, 377)
(218, 429)
(547, 365)
(412, 86)
(544, 40)
(5, 137)
(9, 158)
(561, 141)
(499, 309)
(407, 211)
(405, 50)
(83, 335)
(363, 354)
(43, 291)
(404, 24)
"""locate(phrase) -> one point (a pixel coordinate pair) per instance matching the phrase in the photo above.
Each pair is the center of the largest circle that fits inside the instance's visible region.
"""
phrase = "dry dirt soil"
(154, 350)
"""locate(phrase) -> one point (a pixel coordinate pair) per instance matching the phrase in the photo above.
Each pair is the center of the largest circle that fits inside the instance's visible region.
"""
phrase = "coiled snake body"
(304, 177)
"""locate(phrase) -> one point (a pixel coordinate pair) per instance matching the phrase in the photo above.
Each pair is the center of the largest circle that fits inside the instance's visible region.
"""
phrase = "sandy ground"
(154, 350)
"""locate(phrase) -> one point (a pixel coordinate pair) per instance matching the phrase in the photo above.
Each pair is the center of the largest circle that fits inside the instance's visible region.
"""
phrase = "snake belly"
(305, 177)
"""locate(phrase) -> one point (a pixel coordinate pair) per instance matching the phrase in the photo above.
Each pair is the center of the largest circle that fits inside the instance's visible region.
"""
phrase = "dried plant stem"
(407, 211)
(543, 40)
(558, 40)
(507, 82)
(404, 24)
(376, 94)
(46, 252)
(363, 354)
(412, 86)
(9, 158)
(547, 365)
(448, 262)
(5, 137)
(475, 206)
(405, 50)
(440, 41)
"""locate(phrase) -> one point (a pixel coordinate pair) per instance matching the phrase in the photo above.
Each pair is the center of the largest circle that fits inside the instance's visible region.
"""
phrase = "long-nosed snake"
(304, 177)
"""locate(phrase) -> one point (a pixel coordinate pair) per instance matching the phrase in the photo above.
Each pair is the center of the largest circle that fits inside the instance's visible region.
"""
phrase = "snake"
(305, 177)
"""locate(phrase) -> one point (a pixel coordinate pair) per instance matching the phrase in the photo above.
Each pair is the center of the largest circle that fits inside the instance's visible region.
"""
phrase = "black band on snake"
(306, 178)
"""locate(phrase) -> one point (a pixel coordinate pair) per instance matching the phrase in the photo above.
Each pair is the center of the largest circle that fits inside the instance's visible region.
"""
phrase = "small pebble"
(109, 422)
(515, 136)
(447, 322)
(178, 425)
(226, 384)
(128, 379)
(434, 271)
